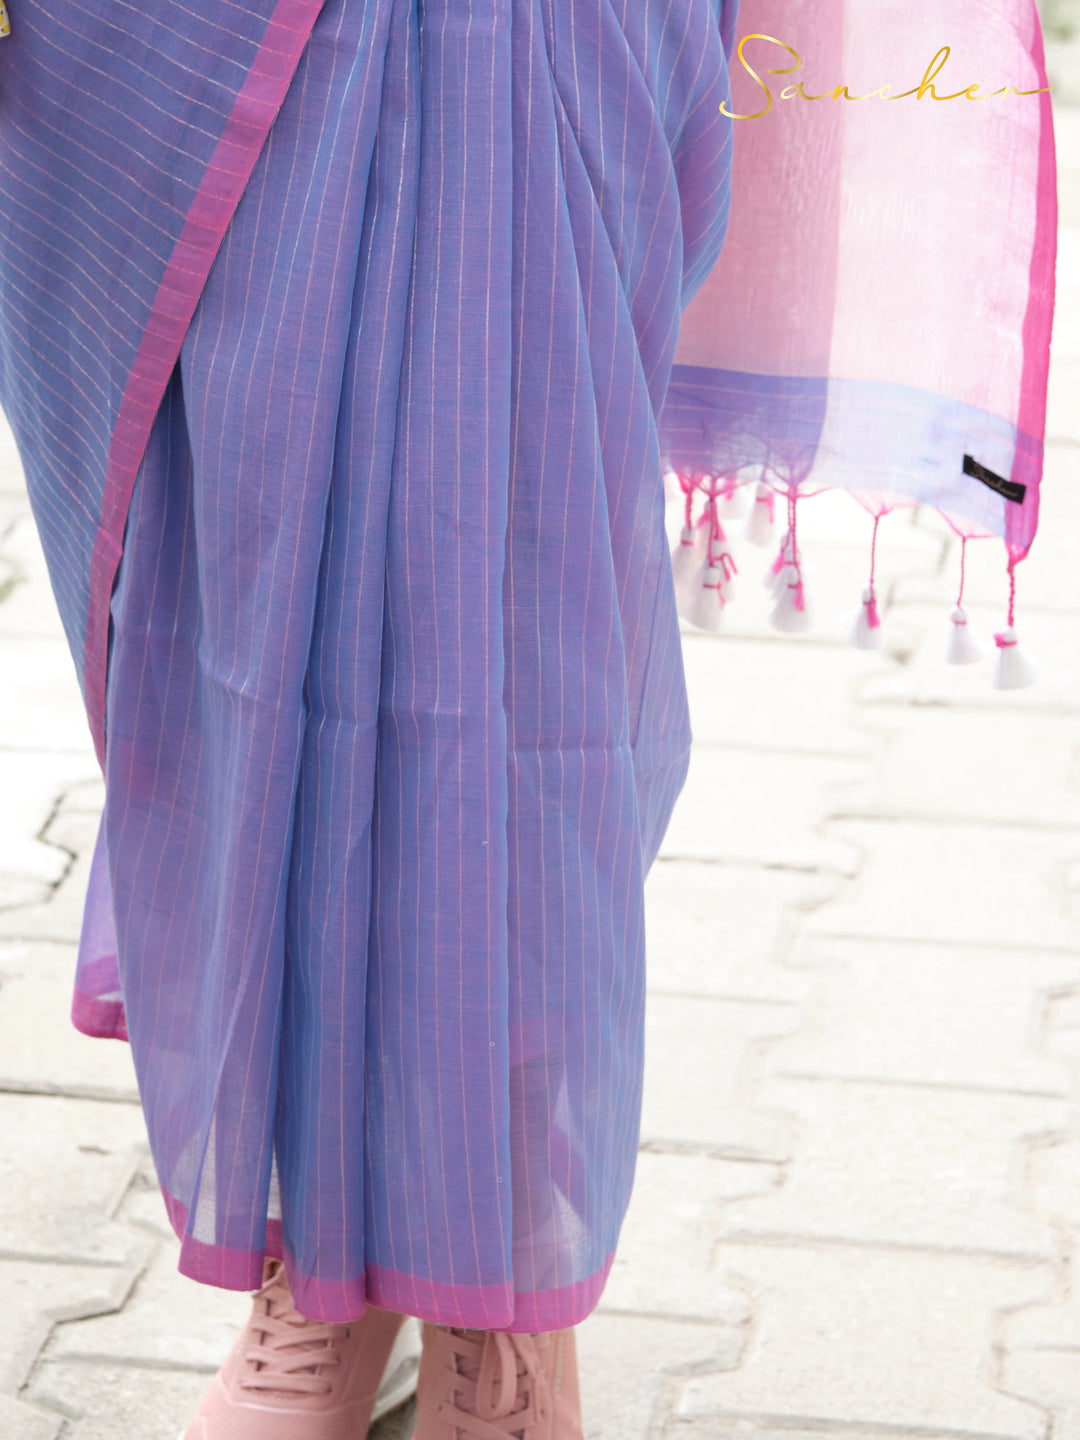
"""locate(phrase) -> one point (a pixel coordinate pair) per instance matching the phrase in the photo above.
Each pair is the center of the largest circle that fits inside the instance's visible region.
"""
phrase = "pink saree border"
(253, 112)
(478, 1307)
(101, 1019)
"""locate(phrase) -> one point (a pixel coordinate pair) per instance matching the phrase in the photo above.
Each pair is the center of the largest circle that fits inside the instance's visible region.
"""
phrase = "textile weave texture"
(395, 715)
(346, 346)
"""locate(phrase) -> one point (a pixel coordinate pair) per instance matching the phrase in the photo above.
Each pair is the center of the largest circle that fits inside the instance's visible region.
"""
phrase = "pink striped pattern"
(394, 709)
(906, 316)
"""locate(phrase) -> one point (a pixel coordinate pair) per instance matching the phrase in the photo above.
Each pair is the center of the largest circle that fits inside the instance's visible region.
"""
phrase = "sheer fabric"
(394, 714)
(345, 361)
(883, 305)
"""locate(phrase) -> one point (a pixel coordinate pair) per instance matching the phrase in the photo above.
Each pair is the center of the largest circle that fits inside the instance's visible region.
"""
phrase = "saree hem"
(474, 1307)
(100, 1019)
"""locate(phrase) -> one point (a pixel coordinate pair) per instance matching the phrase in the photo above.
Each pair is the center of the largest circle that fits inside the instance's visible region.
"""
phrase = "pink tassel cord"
(791, 613)
(704, 568)
(774, 576)
(702, 563)
(865, 631)
(717, 548)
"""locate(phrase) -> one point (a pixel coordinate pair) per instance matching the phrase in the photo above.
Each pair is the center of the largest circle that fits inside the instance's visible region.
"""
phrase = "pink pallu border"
(212, 208)
(1039, 317)
(482, 1307)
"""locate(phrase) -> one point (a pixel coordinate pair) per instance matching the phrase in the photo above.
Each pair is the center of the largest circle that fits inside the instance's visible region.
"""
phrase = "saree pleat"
(395, 710)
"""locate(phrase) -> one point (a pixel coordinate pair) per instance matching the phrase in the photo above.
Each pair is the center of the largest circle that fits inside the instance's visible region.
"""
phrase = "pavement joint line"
(951, 943)
(804, 642)
(729, 1000)
(8, 937)
(939, 818)
(53, 1407)
(663, 1412)
(49, 887)
(894, 1082)
(27, 1257)
(783, 867)
(60, 750)
(1001, 1351)
(692, 1150)
(671, 1317)
(787, 1240)
(131, 1362)
(72, 1314)
(136, 1268)
(69, 1092)
(1039, 1349)
(845, 757)
(129, 1180)
(724, 999)
(751, 1420)
(56, 810)
(962, 706)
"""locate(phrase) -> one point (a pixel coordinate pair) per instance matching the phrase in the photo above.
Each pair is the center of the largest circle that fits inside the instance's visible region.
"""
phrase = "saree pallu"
(345, 346)
(880, 318)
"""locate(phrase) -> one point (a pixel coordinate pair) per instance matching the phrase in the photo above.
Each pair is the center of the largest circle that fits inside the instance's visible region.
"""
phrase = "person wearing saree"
(345, 346)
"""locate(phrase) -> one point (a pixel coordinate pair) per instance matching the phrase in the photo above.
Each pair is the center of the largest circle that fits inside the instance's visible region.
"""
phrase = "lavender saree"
(391, 710)
(338, 341)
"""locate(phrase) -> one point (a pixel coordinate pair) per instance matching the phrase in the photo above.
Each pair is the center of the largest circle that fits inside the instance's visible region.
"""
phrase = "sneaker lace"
(292, 1352)
(499, 1386)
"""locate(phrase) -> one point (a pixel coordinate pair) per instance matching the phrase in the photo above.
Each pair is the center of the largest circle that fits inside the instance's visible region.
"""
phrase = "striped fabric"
(392, 710)
(885, 298)
(345, 345)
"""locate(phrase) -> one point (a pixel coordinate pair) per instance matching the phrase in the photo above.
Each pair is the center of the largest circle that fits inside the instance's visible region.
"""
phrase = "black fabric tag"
(1011, 489)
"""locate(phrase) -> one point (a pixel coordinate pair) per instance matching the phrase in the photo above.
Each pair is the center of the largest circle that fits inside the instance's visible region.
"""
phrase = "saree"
(346, 347)
(880, 318)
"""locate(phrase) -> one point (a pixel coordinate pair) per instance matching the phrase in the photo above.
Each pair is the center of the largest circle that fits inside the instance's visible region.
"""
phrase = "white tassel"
(688, 556)
(688, 562)
(1014, 670)
(731, 507)
(964, 647)
(760, 523)
(775, 579)
(791, 613)
(707, 606)
(865, 633)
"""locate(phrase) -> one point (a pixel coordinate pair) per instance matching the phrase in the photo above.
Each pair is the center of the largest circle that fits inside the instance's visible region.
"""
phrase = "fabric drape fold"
(346, 347)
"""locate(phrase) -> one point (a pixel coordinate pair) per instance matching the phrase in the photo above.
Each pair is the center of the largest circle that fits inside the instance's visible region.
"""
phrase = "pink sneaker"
(289, 1378)
(491, 1385)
